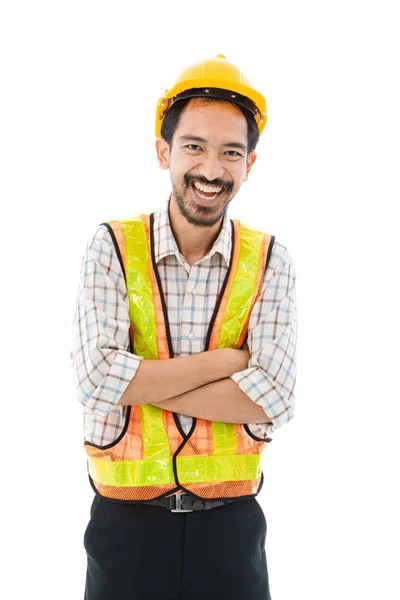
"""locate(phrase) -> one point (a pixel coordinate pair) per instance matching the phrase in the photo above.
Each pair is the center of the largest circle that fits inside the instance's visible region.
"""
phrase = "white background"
(80, 81)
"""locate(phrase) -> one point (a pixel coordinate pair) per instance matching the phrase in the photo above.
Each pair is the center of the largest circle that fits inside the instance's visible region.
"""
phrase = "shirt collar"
(165, 243)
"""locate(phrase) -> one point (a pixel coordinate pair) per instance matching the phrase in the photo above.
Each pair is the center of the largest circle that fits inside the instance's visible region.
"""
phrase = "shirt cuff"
(256, 384)
(112, 386)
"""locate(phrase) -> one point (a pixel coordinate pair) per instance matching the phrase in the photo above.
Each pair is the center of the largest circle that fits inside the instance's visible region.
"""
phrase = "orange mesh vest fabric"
(153, 457)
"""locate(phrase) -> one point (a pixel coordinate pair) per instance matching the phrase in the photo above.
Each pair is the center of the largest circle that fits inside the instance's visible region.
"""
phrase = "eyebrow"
(195, 138)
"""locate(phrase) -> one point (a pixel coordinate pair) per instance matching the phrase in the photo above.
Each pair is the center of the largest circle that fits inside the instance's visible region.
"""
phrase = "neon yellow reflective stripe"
(139, 288)
(155, 438)
(225, 439)
(131, 473)
(213, 469)
(142, 313)
(243, 287)
(191, 469)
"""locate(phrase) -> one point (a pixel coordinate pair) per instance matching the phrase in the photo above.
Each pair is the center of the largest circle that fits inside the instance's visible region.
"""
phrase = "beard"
(197, 214)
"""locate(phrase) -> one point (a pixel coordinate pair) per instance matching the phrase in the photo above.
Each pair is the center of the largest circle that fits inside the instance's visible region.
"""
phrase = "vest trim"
(221, 294)
(129, 408)
(117, 249)
(252, 435)
(119, 438)
(179, 426)
(121, 262)
(185, 436)
(157, 274)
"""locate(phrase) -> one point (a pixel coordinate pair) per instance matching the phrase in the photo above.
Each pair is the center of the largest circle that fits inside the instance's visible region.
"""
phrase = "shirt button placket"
(190, 302)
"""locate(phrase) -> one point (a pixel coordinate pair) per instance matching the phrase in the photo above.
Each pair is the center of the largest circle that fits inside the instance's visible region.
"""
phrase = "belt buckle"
(178, 504)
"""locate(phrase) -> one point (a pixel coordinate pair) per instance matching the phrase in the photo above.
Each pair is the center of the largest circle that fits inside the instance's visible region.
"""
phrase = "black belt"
(182, 502)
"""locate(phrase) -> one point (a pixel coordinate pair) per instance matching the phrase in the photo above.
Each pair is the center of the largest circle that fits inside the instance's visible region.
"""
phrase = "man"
(184, 359)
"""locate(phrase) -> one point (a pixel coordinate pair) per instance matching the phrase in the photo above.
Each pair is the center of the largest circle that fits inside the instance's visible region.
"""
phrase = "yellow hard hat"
(214, 78)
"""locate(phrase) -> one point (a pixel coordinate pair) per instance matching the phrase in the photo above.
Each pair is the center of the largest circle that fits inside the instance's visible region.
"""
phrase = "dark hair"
(171, 120)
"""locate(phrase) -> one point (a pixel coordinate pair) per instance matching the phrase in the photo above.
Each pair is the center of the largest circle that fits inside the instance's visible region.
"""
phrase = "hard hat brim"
(210, 92)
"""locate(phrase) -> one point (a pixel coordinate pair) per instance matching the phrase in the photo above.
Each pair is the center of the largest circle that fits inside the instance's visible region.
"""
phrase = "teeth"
(207, 188)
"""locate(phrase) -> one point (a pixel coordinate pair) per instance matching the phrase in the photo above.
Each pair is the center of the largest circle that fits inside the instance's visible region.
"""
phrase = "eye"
(233, 153)
(194, 147)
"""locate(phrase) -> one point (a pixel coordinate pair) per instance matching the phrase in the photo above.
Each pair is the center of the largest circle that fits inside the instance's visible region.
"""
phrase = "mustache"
(228, 185)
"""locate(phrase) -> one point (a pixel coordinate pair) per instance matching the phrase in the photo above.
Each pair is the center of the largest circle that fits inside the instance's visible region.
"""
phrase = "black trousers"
(143, 552)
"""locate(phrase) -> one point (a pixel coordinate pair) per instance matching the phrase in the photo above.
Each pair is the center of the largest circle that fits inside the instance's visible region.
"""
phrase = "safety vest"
(153, 457)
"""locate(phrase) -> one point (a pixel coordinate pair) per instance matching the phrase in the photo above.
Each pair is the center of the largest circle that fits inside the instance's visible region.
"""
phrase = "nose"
(211, 167)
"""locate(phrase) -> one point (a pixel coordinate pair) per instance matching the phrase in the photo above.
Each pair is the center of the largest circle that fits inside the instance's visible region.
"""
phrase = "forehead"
(218, 122)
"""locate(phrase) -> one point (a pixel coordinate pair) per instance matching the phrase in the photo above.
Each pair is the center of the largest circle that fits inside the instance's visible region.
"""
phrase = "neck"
(193, 241)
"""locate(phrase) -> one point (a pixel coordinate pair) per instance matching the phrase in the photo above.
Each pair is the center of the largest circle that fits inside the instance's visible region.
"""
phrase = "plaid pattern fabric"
(103, 366)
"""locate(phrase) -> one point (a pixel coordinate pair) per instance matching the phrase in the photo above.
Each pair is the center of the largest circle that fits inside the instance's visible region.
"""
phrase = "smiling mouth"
(206, 192)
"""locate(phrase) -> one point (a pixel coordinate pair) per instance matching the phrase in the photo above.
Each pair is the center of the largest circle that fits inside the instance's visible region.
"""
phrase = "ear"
(162, 149)
(251, 159)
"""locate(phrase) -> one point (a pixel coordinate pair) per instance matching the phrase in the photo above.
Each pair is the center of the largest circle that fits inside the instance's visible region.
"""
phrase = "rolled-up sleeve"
(270, 377)
(103, 365)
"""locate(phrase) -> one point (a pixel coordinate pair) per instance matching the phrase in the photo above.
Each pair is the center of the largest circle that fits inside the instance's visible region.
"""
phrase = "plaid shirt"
(103, 365)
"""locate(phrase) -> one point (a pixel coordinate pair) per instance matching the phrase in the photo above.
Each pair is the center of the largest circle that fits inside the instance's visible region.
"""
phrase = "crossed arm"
(196, 386)
(225, 384)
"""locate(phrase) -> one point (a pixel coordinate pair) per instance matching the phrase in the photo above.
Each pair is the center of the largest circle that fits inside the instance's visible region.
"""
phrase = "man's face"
(208, 160)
